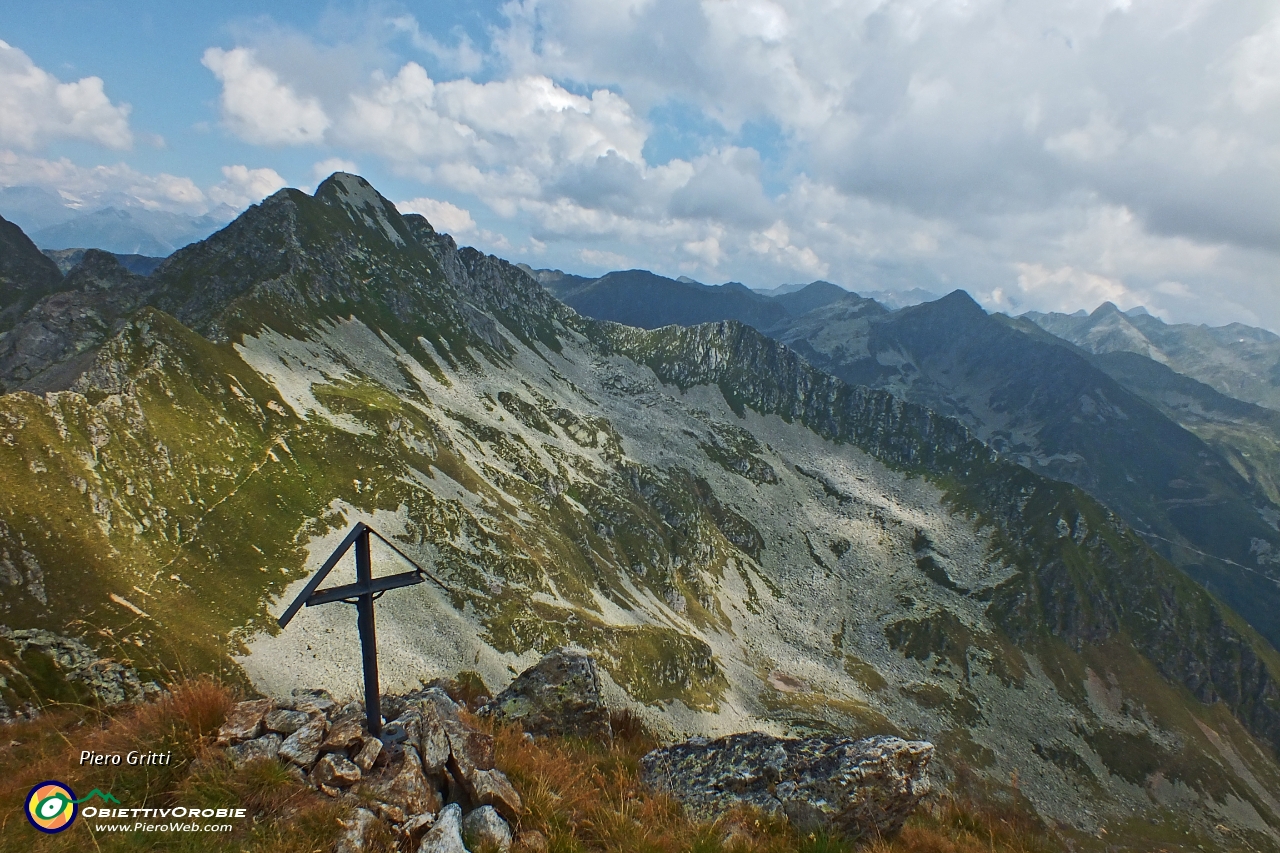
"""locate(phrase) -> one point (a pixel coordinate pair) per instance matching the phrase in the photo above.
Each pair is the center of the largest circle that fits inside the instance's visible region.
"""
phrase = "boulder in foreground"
(858, 788)
(559, 695)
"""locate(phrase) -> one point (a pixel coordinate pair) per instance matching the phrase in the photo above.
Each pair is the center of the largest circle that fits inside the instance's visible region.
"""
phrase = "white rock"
(485, 828)
(354, 838)
(445, 836)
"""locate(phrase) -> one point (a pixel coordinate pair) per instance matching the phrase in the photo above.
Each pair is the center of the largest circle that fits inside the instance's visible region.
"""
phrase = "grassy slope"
(579, 795)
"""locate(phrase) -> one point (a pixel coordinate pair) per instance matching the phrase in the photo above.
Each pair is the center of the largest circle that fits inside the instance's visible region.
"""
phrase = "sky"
(1045, 155)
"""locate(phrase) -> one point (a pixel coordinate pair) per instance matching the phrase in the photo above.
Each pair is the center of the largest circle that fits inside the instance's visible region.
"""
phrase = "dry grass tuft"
(628, 726)
(285, 816)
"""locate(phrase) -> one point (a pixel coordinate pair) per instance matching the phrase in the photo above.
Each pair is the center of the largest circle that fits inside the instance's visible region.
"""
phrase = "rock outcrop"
(484, 829)
(108, 682)
(26, 274)
(52, 343)
(858, 788)
(559, 695)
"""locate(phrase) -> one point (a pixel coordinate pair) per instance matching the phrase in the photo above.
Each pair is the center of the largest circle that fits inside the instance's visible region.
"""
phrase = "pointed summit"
(960, 300)
(954, 308)
(364, 204)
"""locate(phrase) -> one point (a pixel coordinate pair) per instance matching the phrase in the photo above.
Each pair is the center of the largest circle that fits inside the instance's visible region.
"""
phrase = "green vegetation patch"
(940, 634)
(1065, 758)
(864, 673)
(652, 663)
(1133, 756)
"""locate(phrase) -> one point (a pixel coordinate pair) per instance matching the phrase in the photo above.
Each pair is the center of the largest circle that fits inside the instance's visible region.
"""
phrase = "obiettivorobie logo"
(53, 806)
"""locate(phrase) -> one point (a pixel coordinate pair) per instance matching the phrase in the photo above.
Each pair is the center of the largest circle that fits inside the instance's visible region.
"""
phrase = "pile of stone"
(109, 682)
(430, 776)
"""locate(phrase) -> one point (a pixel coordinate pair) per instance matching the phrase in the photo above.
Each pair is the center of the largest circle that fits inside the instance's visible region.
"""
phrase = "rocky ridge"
(429, 776)
(1042, 521)
(54, 341)
(1039, 402)
(26, 275)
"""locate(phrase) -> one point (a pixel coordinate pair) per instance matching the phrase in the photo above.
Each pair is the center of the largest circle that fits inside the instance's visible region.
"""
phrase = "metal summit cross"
(362, 594)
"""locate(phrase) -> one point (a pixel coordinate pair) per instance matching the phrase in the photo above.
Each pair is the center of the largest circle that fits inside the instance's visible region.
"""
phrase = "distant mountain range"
(647, 300)
(1237, 360)
(891, 299)
(68, 259)
(113, 224)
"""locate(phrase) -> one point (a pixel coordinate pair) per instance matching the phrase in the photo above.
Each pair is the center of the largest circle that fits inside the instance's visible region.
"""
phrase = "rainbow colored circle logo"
(51, 806)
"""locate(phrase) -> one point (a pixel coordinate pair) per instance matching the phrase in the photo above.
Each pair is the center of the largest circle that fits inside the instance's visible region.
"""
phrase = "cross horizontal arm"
(351, 590)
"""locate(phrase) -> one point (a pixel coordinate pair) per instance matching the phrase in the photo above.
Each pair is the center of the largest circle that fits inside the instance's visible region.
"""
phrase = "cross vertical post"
(362, 594)
(368, 639)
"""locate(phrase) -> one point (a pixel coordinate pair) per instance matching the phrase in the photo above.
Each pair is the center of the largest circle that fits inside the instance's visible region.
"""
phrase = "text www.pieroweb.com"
(178, 819)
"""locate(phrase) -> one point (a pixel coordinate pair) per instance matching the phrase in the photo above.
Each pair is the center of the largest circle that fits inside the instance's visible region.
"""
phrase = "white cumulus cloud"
(242, 186)
(258, 106)
(1034, 154)
(442, 215)
(90, 187)
(527, 127)
(37, 108)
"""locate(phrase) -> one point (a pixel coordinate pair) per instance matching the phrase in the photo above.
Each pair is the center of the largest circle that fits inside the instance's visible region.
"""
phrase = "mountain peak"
(364, 203)
(957, 302)
(99, 269)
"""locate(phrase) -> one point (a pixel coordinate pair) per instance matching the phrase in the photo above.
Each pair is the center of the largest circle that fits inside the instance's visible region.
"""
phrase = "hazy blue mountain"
(33, 208)
(1238, 360)
(813, 295)
(645, 299)
(781, 289)
(892, 299)
(130, 231)
(895, 299)
(66, 259)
